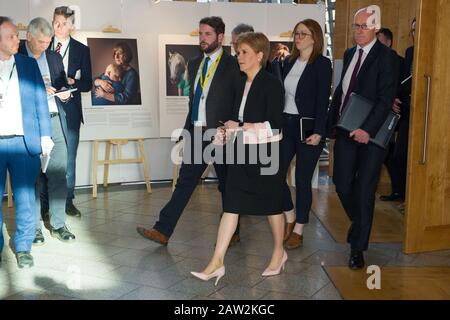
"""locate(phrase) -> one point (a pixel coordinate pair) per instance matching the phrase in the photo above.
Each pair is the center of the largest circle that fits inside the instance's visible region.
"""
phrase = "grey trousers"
(53, 181)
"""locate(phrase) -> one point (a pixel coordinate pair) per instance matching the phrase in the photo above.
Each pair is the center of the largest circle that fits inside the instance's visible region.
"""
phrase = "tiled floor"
(109, 260)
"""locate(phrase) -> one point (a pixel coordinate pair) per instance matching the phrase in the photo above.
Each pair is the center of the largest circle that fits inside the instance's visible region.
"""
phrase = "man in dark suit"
(25, 132)
(402, 106)
(386, 37)
(77, 65)
(52, 182)
(213, 78)
(369, 71)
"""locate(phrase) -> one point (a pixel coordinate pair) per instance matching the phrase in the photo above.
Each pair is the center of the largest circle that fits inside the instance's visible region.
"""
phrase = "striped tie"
(58, 48)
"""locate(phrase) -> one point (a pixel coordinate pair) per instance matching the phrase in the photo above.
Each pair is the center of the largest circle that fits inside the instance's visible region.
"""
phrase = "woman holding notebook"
(306, 77)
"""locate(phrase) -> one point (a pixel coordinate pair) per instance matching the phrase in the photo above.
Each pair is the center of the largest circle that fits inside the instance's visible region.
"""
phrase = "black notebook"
(355, 113)
(306, 128)
(385, 132)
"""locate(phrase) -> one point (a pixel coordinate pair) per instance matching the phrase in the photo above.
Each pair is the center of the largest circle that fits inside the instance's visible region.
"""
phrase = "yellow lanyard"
(210, 72)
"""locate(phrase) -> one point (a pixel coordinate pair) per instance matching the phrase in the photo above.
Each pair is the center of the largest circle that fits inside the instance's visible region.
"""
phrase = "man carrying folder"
(52, 181)
(369, 71)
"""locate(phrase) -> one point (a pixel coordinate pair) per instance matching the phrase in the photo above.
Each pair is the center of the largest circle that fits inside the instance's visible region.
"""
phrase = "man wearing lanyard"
(77, 65)
(25, 132)
(53, 180)
(213, 78)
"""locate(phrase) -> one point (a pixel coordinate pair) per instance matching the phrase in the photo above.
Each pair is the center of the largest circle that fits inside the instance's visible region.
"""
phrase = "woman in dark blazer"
(253, 188)
(306, 76)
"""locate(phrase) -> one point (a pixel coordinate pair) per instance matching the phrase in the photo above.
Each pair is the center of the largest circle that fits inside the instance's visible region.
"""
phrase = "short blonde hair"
(258, 42)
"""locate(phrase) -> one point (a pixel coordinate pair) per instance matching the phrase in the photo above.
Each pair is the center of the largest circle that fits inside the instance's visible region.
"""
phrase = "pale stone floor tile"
(112, 261)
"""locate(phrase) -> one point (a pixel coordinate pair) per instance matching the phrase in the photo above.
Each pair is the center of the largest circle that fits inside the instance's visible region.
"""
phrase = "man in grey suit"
(53, 180)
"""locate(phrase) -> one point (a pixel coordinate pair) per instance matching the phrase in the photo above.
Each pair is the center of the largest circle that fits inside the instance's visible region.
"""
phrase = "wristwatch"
(241, 124)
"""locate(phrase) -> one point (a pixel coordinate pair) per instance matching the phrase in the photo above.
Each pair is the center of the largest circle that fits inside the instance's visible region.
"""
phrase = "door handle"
(427, 111)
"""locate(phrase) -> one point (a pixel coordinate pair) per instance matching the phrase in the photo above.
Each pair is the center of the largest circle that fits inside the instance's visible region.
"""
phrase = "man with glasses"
(369, 71)
(77, 66)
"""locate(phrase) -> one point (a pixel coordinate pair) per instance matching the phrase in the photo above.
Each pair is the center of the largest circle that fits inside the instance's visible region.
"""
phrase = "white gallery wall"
(149, 20)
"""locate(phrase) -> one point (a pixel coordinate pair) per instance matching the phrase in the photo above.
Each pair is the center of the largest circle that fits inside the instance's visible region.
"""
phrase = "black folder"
(355, 113)
(384, 134)
(306, 128)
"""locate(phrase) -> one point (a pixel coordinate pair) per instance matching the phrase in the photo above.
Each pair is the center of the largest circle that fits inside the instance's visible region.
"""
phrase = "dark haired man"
(213, 77)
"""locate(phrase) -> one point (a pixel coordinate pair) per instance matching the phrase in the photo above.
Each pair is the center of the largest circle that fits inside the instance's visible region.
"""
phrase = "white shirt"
(290, 85)
(202, 106)
(351, 67)
(243, 101)
(11, 107)
(45, 73)
(65, 49)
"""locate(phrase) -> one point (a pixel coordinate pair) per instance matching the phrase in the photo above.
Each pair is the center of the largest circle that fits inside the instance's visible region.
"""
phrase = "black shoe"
(356, 260)
(71, 210)
(24, 259)
(63, 234)
(39, 238)
(392, 197)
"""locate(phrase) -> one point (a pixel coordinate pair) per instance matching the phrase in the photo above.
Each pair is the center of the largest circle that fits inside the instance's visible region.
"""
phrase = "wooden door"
(427, 219)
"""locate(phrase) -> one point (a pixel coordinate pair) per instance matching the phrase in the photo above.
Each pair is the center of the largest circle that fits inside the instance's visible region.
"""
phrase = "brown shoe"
(294, 241)
(289, 227)
(153, 235)
(234, 240)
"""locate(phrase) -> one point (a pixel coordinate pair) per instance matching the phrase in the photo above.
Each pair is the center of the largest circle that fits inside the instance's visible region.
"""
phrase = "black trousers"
(357, 169)
(306, 161)
(190, 174)
(392, 168)
(401, 154)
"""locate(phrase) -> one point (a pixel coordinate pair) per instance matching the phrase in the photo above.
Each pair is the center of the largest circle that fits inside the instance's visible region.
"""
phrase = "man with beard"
(213, 77)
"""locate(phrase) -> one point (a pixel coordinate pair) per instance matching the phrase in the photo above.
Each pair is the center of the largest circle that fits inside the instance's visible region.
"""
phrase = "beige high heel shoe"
(219, 273)
(268, 272)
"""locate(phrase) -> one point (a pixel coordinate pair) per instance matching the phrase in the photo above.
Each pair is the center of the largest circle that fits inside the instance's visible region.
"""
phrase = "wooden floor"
(399, 283)
(387, 224)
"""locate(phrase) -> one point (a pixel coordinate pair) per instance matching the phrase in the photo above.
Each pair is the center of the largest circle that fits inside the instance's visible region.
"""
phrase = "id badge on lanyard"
(4, 87)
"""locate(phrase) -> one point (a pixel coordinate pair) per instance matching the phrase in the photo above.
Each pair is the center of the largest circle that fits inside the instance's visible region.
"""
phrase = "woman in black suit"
(253, 187)
(306, 76)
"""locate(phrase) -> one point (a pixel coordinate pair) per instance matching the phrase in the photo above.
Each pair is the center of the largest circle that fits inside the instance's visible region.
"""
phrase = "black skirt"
(254, 185)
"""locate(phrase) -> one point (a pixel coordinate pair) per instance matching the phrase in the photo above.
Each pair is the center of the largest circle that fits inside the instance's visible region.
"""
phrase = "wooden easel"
(120, 160)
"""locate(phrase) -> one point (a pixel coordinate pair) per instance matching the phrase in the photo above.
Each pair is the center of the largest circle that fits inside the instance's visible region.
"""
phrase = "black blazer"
(222, 91)
(58, 80)
(312, 96)
(376, 81)
(264, 100)
(79, 59)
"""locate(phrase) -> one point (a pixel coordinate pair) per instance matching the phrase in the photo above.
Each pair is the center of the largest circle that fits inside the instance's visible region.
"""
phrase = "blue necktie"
(198, 92)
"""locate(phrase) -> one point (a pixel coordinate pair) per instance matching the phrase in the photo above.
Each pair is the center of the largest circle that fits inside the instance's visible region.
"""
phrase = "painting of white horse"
(178, 73)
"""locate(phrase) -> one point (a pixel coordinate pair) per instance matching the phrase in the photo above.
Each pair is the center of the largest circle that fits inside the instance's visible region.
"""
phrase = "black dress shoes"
(71, 210)
(24, 259)
(39, 238)
(63, 234)
(392, 197)
(356, 260)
